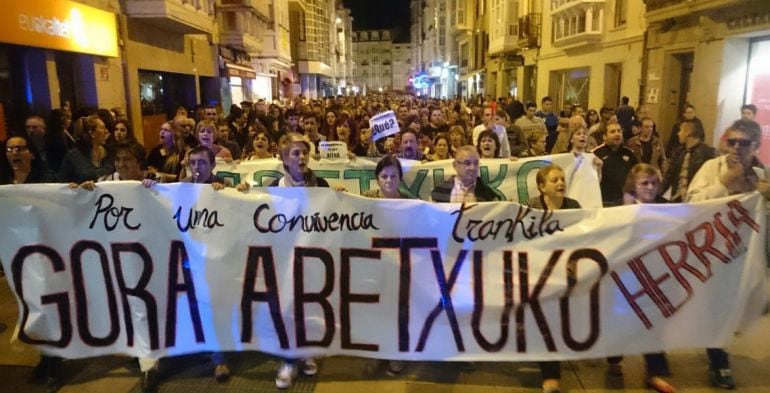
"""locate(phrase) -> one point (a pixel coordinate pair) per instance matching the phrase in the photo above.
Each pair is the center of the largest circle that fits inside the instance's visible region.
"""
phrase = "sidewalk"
(254, 372)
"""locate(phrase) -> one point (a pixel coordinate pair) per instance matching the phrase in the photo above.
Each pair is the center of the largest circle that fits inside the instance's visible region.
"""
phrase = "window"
(621, 10)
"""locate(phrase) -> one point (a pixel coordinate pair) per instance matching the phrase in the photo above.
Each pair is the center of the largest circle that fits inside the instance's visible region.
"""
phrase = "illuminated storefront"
(57, 52)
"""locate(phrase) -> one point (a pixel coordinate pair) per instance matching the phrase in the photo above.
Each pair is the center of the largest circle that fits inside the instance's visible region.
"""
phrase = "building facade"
(403, 66)
(373, 58)
(591, 52)
(713, 55)
(312, 46)
(344, 51)
(272, 64)
(76, 62)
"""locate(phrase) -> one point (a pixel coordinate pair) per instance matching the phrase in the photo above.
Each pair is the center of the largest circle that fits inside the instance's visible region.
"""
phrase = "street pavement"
(253, 372)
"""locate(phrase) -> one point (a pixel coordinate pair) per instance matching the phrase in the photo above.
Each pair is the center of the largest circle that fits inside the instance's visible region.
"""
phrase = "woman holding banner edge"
(553, 190)
(641, 187)
(389, 174)
(295, 153)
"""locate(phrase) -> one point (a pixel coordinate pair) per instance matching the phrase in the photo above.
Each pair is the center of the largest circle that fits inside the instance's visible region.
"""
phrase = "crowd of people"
(633, 163)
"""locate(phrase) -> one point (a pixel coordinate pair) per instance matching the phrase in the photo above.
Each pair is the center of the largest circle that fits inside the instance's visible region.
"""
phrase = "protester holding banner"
(389, 174)
(295, 152)
(129, 164)
(738, 171)
(642, 184)
(88, 160)
(553, 190)
(578, 141)
(466, 186)
(618, 160)
(552, 186)
(488, 144)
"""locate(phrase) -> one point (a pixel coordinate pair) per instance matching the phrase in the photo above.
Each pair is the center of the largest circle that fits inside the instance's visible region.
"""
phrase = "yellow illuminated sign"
(59, 24)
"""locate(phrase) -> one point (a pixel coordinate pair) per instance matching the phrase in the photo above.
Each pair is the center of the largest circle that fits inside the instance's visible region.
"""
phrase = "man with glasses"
(687, 161)
(736, 172)
(466, 186)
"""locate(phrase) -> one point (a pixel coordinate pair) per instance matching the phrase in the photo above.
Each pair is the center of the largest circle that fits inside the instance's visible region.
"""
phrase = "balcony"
(529, 30)
(240, 28)
(577, 23)
(559, 7)
(261, 7)
(660, 10)
(181, 16)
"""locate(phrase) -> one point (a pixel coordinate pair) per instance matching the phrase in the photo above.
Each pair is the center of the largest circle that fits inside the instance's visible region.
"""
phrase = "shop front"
(55, 53)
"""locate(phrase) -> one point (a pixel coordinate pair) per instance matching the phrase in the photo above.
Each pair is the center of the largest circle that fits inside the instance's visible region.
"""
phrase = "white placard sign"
(333, 151)
(384, 124)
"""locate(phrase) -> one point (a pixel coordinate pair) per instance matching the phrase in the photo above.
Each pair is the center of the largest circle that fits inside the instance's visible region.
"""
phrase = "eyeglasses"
(467, 163)
(735, 142)
(16, 149)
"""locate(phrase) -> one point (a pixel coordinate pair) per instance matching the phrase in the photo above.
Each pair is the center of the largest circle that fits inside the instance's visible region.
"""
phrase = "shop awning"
(240, 71)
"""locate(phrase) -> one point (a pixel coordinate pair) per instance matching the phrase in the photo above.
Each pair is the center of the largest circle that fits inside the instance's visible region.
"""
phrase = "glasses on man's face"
(16, 149)
(467, 163)
(739, 142)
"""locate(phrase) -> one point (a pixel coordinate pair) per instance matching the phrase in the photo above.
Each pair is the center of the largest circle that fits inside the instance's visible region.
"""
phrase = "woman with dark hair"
(130, 164)
(345, 131)
(488, 144)
(258, 147)
(122, 132)
(107, 117)
(88, 160)
(440, 148)
(389, 174)
(328, 124)
(59, 138)
(21, 163)
(592, 118)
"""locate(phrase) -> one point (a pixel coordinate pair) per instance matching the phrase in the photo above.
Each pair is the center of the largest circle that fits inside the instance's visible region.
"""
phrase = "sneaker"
(395, 367)
(723, 378)
(286, 374)
(309, 367)
(221, 373)
(150, 381)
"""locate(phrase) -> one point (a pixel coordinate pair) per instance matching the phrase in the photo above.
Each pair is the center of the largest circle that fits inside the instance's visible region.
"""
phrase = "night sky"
(381, 14)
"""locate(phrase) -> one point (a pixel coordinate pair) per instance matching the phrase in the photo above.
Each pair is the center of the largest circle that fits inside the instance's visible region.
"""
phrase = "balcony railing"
(654, 5)
(183, 16)
(529, 30)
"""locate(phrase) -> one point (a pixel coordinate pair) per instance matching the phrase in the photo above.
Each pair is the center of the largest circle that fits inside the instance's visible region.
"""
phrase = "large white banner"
(182, 268)
(511, 180)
